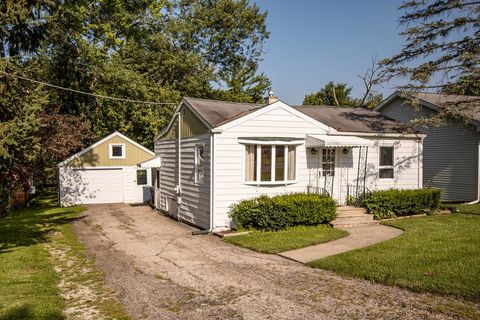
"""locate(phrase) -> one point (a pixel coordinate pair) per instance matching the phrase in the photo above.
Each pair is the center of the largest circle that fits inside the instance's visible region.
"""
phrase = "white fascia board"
(380, 135)
(387, 100)
(271, 142)
(161, 133)
(185, 103)
(98, 168)
(115, 134)
(270, 107)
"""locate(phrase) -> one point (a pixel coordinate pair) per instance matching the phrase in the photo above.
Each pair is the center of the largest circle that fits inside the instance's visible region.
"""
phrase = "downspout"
(179, 197)
(178, 188)
(478, 176)
(420, 163)
(212, 181)
(212, 184)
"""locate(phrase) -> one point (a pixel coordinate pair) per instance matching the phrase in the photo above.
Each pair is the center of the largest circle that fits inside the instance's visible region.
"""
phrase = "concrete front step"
(348, 211)
(349, 208)
(352, 216)
(365, 218)
(352, 213)
(343, 225)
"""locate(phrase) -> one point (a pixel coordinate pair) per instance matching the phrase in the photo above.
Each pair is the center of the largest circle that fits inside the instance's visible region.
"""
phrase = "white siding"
(450, 160)
(101, 185)
(130, 186)
(195, 198)
(229, 186)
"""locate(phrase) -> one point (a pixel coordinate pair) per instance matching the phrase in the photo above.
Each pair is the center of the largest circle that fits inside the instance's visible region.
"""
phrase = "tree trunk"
(335, 95)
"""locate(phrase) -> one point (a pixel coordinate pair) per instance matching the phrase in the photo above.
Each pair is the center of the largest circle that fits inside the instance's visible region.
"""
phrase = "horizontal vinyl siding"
(195, 207)
(450, 158)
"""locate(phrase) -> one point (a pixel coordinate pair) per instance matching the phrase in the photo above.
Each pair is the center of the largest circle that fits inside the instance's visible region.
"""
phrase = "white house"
(216, 153)
(107, 172)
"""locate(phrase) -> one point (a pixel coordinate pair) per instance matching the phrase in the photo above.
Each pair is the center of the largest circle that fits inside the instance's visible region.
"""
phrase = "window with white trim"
(117, 151)
(386, 163)
(141, 177)
(270, 164)
(199, 163)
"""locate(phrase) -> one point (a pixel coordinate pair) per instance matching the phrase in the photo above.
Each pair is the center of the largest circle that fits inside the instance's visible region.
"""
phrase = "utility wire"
(87, 93)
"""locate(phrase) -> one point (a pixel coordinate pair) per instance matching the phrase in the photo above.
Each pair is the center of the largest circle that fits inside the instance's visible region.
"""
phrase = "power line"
(87, 93)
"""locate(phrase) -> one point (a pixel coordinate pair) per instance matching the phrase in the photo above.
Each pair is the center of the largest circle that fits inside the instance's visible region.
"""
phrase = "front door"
(327, 172)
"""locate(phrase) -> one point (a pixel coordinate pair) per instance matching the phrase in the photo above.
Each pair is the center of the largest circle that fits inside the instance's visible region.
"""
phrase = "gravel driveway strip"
(160, 271)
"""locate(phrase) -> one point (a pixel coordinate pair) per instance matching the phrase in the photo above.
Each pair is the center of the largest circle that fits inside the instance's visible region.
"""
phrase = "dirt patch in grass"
(81, 286)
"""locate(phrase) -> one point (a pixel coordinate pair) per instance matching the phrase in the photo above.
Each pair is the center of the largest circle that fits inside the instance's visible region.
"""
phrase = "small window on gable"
(386, 163)
(117, 151)
(199, 163)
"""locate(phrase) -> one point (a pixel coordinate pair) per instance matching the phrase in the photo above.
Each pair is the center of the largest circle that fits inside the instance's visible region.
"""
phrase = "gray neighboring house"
(451, 152)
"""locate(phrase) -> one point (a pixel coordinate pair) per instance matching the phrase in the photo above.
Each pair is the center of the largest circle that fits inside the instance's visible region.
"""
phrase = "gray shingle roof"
(216, 113)
(347, 119)
(442, 100)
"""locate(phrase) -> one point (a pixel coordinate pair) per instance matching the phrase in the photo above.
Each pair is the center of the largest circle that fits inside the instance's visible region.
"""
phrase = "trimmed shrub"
(393, 202)
(280, 212)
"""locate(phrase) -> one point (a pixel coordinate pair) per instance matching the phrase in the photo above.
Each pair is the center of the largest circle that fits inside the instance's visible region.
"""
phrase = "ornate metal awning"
(333, 141)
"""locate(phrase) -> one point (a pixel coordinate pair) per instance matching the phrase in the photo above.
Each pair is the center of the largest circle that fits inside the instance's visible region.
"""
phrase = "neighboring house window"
(199, 163)
(117, 151)
(141, 177)
(386, 163)
(158, 179)
(270, 163)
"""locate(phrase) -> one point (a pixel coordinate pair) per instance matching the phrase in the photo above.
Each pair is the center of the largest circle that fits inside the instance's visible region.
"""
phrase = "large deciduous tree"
(332, 94)
(149, 50)
(442, 49)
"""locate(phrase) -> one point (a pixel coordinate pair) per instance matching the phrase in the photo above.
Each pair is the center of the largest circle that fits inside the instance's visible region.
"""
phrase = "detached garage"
(106, 172)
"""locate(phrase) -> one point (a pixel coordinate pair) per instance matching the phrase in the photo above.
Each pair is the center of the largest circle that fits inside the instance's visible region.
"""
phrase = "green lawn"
(289, 239)
(438, 254)
(469, 208)
(28, 282)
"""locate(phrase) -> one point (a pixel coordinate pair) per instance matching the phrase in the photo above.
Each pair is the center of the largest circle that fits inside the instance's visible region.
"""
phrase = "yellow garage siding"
(100, 156)
(191, 125)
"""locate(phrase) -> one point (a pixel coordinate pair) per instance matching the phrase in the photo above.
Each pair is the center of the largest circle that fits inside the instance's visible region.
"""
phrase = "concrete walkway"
(359, 237)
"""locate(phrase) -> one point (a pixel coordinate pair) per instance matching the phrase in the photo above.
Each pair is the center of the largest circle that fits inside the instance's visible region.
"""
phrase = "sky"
(313, 42)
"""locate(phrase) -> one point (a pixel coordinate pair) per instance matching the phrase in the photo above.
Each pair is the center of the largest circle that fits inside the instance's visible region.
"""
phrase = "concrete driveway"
(159, 270)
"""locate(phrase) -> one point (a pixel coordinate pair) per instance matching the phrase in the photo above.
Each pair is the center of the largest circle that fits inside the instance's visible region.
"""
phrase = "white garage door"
(84, 186)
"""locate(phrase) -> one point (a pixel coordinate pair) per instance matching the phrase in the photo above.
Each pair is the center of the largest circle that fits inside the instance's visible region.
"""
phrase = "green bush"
(281, 212)
(393, 202)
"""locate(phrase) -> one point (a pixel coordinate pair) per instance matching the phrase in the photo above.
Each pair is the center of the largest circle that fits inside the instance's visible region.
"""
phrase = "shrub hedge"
(280, 212)
(393, 202)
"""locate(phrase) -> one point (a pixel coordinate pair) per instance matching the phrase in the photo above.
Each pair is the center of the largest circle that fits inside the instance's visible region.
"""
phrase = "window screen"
(386, 163)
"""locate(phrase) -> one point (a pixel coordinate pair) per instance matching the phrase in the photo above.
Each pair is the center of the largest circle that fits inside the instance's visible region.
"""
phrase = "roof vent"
(271, 98)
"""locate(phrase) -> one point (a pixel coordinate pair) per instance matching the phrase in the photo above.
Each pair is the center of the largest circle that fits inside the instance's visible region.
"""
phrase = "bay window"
(270, 164)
